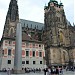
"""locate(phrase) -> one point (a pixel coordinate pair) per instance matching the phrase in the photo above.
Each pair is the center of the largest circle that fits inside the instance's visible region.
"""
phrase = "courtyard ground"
(64, 73)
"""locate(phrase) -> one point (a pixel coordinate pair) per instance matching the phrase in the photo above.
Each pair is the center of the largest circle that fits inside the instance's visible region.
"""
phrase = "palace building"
(51, 43)
(32, 47)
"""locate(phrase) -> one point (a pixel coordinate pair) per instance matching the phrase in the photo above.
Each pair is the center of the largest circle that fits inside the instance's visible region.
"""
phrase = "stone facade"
(57, 36)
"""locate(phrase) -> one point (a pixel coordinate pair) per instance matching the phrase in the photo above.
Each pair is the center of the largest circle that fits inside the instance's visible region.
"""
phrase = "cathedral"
(58, 36)
(51, 43)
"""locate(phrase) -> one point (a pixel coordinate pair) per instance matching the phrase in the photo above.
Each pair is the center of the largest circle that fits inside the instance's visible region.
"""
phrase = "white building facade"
(32, 55)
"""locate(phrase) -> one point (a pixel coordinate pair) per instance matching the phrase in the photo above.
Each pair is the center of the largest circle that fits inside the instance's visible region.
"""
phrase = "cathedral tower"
(12, 19)
(56, 32)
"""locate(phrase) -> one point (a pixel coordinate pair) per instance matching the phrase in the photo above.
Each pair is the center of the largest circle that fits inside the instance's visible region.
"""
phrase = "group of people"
(28, 70)
(70, 68)
(53, 71)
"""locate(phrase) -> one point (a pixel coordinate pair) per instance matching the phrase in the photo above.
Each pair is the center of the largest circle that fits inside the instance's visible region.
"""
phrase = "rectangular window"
(33, 45)
(27, 44)
(27, 53)
(9, 61)
(34, 62)
(23, 62)
(33, 53)
(9, 51)
(6, 41)
(27, 62)
(2, 52)
(10, 42)
(40, 54)
(39, 45)
(40, 62)
(42, 46)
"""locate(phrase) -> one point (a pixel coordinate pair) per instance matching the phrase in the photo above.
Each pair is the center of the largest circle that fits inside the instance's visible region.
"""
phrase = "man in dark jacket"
(45, 70)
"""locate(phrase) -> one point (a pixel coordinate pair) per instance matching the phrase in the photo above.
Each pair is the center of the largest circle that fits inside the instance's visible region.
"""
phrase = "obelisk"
(18, 50)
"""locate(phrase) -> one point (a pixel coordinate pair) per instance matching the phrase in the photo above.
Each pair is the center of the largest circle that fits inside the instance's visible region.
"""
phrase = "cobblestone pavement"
(65, 73)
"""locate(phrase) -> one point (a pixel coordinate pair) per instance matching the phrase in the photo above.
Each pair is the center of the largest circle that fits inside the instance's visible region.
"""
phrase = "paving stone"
(64, 73)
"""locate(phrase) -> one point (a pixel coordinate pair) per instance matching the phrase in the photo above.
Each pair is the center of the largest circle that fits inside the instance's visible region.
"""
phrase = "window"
(27, 49)
(2, 52)
(40, 54)
(9, 61)
(42, 46)
(39, 45)
(33, 45)
(23, 62)
(40, 62)
(27, 53)
(27, 62)
(33, 53)
(33, 62)
(9, 51)
(6, 41)
(9, 42)
(27, 44)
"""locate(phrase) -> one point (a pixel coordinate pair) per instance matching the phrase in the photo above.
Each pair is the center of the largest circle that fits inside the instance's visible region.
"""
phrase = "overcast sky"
(34, 10)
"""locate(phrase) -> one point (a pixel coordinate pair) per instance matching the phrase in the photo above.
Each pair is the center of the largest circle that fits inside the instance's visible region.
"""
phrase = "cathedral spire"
(12, 19)
(13, 11)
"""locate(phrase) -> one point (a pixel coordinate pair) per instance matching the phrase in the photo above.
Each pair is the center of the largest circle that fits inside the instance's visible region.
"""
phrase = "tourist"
(49, 71)
(45, 71)
(8, 71)
(57, 71)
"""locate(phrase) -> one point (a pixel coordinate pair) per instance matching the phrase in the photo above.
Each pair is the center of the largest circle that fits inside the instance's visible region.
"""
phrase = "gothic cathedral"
(57, 35)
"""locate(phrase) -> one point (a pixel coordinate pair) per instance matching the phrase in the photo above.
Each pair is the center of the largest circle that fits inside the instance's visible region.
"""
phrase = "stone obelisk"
(18, 50)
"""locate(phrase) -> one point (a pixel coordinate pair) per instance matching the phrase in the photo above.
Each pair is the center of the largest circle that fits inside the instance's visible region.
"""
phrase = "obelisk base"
(18, 72)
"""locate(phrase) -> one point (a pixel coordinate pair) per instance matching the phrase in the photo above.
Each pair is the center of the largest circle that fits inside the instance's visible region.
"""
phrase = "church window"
(13, 15)
(11, 31)
(64, 55)
(61, 36)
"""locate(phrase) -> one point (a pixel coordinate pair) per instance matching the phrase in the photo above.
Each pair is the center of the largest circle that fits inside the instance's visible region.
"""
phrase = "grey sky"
(34, 10)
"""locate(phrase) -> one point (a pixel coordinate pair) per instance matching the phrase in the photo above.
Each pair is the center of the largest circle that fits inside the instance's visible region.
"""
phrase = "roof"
(31, 24)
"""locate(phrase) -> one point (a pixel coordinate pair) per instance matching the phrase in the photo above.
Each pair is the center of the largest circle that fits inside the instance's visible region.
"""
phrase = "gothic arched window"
(11, 31)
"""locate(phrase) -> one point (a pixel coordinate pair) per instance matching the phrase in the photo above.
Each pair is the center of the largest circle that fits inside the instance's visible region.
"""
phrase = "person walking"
(45, 71)
(57, 71)
(49, 71)
(8, 71)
